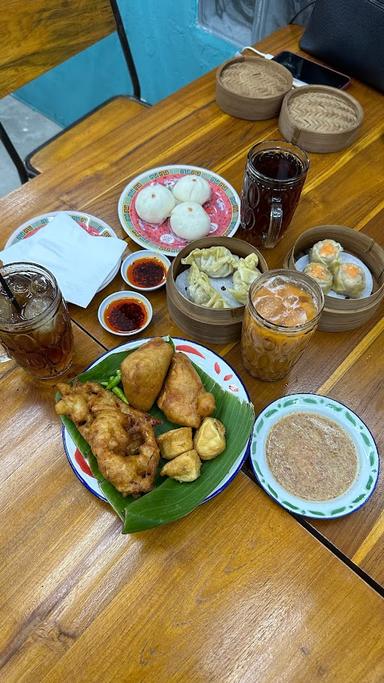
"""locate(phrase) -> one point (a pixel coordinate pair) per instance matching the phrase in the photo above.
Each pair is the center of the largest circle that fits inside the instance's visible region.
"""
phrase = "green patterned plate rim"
(365, 482)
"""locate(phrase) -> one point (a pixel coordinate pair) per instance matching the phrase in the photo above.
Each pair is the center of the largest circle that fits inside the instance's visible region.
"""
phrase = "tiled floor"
(27, 129)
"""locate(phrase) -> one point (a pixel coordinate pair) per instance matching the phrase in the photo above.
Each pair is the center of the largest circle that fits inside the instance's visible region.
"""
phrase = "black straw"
(10, 294)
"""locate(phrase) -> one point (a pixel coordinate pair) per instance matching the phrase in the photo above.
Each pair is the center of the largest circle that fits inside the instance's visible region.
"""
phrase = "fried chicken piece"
(183, 398)
(143, 372)
(121, 438)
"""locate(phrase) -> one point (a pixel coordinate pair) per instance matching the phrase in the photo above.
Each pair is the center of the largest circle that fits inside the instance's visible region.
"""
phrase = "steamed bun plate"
(344, 257)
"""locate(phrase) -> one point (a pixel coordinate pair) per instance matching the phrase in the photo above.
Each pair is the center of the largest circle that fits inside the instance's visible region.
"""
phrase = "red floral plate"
(223, 208)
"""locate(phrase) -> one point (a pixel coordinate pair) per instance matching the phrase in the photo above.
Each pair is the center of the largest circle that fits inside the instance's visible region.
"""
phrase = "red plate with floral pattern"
(223, 208)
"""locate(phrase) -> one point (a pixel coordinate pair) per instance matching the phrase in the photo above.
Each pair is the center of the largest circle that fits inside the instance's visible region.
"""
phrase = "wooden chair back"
(37, 35)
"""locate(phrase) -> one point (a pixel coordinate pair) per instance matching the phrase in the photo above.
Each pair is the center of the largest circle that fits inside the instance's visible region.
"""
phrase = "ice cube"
(19, 283)
(35, 307)
(39, 285)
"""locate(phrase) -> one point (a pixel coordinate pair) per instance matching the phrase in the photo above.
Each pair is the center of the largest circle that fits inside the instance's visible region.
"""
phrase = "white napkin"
(80, 262)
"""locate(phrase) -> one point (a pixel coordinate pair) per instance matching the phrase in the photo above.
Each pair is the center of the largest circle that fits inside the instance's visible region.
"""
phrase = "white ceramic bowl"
(118, 296)
(144, 253)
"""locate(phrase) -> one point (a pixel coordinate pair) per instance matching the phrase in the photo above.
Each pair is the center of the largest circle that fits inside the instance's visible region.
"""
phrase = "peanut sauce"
(146, 272)
(125, 315)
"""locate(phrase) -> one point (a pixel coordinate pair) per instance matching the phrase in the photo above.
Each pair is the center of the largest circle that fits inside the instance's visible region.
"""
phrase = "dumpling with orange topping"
(349, 279)
(320, 273)
(326, 252)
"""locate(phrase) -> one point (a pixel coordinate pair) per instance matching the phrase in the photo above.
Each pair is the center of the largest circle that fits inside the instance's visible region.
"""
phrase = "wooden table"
(238, 590)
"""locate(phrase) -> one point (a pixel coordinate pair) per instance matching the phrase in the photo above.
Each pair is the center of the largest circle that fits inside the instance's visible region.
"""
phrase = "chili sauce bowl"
(145, 270)
(125, 313)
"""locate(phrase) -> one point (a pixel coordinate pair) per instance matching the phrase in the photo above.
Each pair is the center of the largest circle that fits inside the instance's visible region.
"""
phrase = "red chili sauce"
(125, 315)
(146, 272)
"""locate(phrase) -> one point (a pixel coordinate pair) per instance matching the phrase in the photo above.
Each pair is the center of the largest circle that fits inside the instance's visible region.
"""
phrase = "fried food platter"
(169, 500)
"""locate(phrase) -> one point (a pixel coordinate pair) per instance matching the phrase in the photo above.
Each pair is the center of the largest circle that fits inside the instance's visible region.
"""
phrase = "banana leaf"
(170, 500)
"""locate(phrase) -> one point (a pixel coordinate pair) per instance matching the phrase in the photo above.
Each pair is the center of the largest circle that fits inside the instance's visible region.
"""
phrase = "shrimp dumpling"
(200, 290)
(214, 261)
(320, 273)
(192, 188)
(154, 203)
(326, 252)
(349, 279)
(190, 221)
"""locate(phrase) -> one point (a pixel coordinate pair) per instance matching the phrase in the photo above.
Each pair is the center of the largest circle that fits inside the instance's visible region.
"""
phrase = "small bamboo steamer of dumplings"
(207, 325)
(252, 87)
(340, 315)
(319, 118)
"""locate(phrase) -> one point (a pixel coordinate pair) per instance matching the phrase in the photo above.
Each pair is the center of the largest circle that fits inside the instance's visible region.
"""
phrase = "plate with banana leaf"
(169, 499)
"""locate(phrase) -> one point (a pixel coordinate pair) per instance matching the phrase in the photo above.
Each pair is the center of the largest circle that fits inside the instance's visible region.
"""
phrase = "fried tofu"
(175, 442)
(209, 440)
(184, 468)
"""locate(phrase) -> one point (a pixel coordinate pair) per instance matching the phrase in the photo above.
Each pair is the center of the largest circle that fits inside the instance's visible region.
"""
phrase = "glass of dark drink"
(274, 176)
(39, 336)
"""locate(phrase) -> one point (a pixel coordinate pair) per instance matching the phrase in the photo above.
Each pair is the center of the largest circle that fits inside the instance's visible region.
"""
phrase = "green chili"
(114, 380)
(119, 393)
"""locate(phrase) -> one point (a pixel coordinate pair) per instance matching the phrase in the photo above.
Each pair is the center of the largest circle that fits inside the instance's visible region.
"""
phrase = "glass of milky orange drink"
(283, 311)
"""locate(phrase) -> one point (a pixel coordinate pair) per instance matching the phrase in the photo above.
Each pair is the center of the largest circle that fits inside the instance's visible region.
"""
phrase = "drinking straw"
(9, 293)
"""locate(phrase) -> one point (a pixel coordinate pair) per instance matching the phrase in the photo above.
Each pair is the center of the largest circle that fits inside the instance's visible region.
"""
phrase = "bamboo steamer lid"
(340, 315)
(207, 325)
(252, 87)
(319, 118)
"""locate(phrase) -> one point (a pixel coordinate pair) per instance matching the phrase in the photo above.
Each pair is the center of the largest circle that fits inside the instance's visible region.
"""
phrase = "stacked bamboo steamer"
(317, 118)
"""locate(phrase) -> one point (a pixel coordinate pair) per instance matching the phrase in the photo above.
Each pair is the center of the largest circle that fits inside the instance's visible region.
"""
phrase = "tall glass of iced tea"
(274, 177)
(283, 311)
(40, 337)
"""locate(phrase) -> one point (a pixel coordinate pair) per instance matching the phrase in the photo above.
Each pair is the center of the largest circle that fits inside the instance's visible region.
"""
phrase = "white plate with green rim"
(368, 458)
(91, 224)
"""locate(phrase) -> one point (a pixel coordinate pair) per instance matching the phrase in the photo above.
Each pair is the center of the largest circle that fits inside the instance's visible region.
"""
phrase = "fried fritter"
(121, 438)
(183, 398)
(143, 372)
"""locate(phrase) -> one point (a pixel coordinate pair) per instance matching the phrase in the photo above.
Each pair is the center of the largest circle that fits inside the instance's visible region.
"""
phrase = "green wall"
(169, 49)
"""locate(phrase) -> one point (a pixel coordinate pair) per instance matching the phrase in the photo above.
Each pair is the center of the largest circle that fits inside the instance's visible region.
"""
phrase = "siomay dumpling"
(320, 273)
(192, 188)
(154, 203)
(200, 290)
(245, 274)
(326, 252)
(349, 279)
(214, 261)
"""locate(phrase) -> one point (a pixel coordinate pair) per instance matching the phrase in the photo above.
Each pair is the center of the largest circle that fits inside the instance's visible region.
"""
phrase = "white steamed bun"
(190, 221)
(192, 188)
(154, 203)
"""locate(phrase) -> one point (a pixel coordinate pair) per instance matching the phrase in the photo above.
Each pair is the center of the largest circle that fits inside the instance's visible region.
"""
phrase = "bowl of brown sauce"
(125, 313)
(145, 270)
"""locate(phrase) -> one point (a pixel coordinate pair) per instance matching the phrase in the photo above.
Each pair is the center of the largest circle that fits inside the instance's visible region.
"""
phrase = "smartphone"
(309, 72)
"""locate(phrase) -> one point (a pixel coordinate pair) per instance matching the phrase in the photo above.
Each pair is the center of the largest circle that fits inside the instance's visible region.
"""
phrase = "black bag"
(349, 35)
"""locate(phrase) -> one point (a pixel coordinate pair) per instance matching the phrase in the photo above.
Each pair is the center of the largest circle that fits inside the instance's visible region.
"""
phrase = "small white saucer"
(118, 296)
(144, 253)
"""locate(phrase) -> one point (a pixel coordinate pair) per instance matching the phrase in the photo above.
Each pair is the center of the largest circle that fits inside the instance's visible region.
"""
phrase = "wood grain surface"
(36, 36)
(238, 590)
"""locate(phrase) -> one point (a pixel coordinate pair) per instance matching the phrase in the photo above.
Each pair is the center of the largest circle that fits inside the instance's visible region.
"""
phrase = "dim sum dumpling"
(320, 273)
(326, 252)
(214, 261)
(190, 221)
(245, 274)
(349, 279)
(192, 188)
(154, 203)
(201, 291)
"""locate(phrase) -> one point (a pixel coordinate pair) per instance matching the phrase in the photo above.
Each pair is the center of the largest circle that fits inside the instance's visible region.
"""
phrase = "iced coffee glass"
(39, 338)
(283, 311)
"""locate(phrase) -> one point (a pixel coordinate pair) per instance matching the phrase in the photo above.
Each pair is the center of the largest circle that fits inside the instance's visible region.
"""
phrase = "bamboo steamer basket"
(340, 315)
(213, 326)
(268, 82)
(319, 118)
